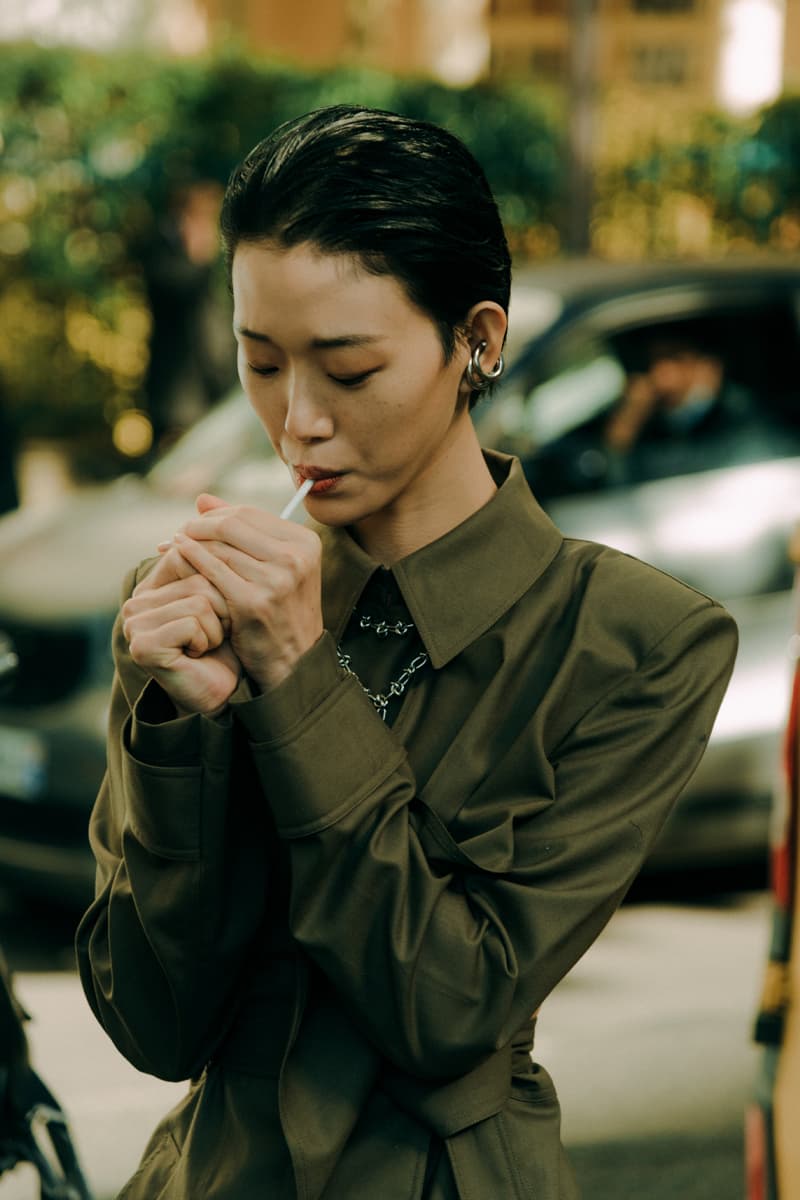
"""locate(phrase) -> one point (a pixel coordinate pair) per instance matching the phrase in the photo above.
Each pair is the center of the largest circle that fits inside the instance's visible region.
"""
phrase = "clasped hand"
(236, 590)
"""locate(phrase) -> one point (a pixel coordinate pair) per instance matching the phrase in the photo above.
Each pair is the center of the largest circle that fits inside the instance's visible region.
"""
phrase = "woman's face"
(349, 380)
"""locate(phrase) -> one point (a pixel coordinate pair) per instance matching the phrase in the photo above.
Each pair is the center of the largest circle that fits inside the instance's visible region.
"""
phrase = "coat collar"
(456, 587)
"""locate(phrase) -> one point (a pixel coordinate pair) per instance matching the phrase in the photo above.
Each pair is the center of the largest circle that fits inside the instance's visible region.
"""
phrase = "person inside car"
(679, 414)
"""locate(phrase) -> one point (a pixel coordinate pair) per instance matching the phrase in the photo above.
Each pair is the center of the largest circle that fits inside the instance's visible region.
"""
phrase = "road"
(647, 1039)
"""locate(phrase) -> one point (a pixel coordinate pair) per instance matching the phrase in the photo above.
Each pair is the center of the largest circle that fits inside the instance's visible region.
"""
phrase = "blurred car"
(61, 573)
(718, 519)
(711, 502)
(772, 1148)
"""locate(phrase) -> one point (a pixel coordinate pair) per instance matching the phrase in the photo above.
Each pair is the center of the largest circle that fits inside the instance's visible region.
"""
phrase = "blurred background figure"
(191, 351)
(679, 413)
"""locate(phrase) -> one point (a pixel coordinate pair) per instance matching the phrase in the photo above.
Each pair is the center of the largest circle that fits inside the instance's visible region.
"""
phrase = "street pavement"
(648, 1040)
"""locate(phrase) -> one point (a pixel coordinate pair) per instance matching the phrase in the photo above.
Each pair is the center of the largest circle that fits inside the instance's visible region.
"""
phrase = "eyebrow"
(318, 343)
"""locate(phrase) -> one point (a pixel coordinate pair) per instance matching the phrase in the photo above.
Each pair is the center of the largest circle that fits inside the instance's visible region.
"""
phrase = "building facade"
(443, 38)
(648, 46)
(791, 47)
(664, 57)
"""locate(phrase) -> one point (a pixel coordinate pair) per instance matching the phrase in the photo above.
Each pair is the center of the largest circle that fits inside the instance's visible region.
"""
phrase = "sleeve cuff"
(271, 716)
(319, 747)
(160, 738)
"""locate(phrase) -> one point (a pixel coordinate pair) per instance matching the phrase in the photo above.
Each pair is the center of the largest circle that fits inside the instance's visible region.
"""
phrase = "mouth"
(324, 481)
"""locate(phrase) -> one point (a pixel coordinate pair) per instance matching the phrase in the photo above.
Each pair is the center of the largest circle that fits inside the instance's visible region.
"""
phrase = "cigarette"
(297, 499)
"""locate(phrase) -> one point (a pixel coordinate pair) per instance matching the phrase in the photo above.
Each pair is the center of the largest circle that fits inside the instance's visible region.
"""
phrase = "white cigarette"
(297, 499)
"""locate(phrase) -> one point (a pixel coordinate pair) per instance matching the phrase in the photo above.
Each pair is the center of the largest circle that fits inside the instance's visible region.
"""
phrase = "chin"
(329, 511)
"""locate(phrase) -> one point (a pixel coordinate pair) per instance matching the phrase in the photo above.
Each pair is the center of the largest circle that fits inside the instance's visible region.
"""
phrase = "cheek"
(268, 410)
(272, 423)
(416, 420)
(427, 392)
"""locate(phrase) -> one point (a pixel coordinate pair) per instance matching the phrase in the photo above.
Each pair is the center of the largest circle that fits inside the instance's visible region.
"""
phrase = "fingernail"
(179, 537)
(162, 546)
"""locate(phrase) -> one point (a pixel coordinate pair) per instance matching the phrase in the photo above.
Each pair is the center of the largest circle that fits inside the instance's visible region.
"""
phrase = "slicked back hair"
(405, 197)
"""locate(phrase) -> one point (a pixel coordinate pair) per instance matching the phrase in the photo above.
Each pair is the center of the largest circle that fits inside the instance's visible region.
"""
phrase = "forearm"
(182, 854)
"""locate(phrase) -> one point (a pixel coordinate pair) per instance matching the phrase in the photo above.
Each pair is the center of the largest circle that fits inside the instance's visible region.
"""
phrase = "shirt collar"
(456, 587)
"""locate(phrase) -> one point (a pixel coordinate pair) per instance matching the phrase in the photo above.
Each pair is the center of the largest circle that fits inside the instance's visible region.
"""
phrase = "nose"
(307, 417)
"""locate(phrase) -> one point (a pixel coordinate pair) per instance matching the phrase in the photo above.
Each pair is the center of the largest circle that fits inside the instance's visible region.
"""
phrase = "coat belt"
(447, 1108)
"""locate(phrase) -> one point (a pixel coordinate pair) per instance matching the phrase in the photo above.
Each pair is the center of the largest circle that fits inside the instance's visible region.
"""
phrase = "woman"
(375, 784)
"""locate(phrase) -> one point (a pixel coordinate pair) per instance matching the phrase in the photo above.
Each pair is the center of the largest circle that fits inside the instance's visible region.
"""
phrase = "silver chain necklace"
(383, 628)
(382, 700)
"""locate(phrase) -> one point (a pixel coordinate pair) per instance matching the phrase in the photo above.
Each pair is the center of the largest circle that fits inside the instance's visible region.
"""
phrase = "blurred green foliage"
(93, 147)
(720, 186)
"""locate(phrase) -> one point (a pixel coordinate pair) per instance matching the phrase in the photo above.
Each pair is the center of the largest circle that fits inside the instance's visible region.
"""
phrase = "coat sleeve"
(181, 879)
(440, 957)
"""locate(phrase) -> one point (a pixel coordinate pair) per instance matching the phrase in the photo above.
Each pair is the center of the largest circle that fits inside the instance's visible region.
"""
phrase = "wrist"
(265, 680)
(274, 669)
(181, 711)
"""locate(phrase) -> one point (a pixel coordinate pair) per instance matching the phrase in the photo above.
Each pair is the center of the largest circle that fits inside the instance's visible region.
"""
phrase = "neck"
(453, 487)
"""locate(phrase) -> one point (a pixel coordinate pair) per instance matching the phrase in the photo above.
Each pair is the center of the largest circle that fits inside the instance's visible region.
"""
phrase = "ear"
(485, 322)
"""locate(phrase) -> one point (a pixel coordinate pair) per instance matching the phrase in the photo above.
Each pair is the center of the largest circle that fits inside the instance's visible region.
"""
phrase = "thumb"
(205, 502)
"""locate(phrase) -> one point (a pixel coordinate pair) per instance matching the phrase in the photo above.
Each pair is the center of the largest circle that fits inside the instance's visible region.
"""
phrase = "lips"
(323, 480)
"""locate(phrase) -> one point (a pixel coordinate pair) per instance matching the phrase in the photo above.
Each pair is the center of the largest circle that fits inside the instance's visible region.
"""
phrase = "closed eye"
(261, 370)
(352, 381)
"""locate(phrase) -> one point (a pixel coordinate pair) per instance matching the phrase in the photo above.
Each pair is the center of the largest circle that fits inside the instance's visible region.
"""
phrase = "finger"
(199, 632)
(160, 647)
(166, 569)
(227, 528)
(289, 561)
(258, 533)
(193, 585)
(206, 501)
(154, 618)
(222, 565)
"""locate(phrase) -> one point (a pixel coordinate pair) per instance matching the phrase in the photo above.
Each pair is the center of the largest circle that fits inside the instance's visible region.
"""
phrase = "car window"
(602, 406)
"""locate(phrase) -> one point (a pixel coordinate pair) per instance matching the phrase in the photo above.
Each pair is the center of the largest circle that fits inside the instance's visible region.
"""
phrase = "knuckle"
(137, 650)
(285, 581)
(199, 635)
(296, 558)
(292, 564)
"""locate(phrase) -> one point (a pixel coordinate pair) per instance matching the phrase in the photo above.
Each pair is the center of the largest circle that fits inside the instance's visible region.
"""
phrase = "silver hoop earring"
(477, 377)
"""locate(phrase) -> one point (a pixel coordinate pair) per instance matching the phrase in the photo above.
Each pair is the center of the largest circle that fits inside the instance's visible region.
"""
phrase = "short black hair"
(406, 197)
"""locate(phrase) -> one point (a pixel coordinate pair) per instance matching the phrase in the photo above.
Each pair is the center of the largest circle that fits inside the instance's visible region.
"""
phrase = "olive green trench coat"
(341, 930)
